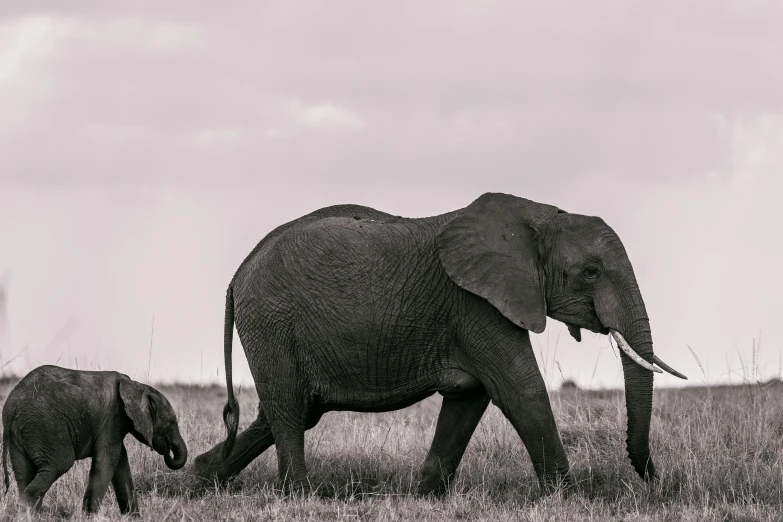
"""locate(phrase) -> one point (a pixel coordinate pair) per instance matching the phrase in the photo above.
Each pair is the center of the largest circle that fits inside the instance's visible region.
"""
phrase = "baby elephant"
(55, 416)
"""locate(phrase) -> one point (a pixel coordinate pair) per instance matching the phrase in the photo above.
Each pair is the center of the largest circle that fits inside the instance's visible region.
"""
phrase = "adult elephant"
(349, 308)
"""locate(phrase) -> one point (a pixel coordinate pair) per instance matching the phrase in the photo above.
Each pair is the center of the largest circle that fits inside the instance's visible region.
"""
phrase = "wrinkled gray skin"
(55, 416)
(349, 308)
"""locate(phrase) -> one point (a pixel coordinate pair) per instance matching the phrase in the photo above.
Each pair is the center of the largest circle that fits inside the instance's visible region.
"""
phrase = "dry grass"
(719, 451)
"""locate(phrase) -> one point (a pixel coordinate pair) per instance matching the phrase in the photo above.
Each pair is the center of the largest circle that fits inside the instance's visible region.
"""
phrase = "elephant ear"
(491, 248)
(138, 407)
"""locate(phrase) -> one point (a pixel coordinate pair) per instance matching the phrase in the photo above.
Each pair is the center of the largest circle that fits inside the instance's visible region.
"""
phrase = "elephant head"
(530, 260)
(154, 421)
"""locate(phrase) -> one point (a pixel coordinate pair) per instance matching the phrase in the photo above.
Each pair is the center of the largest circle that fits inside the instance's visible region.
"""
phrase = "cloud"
(216, 137)
(28, 45)
(31, 42)
(607, 91)
(325, 116)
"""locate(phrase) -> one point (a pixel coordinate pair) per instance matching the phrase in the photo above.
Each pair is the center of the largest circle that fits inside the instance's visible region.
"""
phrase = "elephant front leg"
(508, 370)
(530, 413)
(122, 482)
(104, 464)
(459, 416)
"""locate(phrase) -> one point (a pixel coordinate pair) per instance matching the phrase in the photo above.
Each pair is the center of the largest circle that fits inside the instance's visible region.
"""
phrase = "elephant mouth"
(174, 454)
(576, 321)
(574, 330)
(576, 315)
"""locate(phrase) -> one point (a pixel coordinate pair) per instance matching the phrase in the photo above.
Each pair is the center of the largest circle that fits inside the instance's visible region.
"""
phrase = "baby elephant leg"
(104, 463)
(24, 468)
(35, 475)
(122, 482)
(33, 494)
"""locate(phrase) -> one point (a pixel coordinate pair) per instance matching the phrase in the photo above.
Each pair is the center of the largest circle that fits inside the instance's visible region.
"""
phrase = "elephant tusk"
(668, 368)
(624, 346)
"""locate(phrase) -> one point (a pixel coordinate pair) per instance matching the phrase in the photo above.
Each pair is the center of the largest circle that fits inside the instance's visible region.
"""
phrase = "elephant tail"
(231, 409)
(6, 440)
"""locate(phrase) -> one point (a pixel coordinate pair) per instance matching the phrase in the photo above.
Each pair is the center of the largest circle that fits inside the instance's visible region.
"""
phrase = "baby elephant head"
(154, 421)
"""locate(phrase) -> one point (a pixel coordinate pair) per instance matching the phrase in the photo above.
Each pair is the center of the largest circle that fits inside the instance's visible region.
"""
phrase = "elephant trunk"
(179, 453)
(621, 310)
(639, 392)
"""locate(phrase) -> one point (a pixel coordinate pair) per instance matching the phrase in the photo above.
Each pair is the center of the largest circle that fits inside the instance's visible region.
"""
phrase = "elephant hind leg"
(24, 468)
(250, 443)
(288, 417)
(33, 494)
(35, 472)
(289, 409)
(459, 416)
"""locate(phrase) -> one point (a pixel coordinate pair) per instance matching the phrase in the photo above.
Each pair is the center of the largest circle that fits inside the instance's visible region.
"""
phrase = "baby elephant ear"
(491, 249)
(138, 408)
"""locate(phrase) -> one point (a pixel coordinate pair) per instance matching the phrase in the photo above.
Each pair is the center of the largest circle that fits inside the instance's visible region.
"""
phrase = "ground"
(718, 450)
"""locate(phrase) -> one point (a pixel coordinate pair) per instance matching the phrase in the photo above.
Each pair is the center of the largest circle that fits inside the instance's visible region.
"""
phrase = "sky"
(146, 147)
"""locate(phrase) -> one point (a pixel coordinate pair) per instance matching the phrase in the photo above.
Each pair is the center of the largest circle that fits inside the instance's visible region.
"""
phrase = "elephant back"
(347, 210)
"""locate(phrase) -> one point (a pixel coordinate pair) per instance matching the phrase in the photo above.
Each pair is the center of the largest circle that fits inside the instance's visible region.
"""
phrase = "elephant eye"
(591, 272)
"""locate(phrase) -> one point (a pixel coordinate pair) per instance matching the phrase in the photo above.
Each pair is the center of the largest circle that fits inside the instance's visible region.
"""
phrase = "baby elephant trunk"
(178, 454)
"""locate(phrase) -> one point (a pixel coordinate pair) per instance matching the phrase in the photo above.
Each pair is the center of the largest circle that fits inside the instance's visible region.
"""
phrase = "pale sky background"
(145, 149)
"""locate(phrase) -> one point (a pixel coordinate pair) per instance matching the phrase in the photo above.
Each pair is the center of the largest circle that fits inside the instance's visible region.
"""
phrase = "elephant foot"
(557, 483)
(209, 469)
(31, 506)
(433, 486)
(296, 488)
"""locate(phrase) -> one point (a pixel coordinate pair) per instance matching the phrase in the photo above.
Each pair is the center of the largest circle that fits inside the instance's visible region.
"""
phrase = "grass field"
(719, 451)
